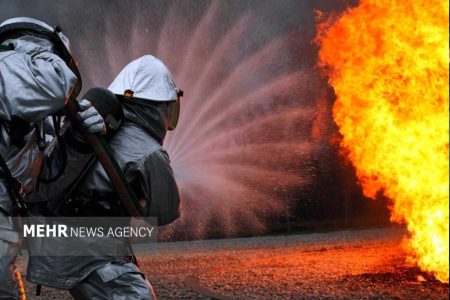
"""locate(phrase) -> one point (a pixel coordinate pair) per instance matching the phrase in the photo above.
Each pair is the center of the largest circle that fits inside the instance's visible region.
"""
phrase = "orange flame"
(388, 64)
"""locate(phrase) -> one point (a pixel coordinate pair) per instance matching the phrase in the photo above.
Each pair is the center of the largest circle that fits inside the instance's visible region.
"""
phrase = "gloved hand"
(91, 120)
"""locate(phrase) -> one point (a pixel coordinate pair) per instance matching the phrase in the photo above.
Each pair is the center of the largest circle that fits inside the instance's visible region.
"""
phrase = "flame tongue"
(388, 63)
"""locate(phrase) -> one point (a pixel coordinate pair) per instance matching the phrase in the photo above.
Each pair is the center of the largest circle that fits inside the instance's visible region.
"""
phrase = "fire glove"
(90, 119)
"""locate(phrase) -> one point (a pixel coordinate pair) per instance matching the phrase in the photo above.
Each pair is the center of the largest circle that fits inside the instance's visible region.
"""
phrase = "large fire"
(388, 64)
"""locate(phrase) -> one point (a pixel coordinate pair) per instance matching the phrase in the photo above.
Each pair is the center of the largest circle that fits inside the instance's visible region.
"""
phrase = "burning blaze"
(388, 63)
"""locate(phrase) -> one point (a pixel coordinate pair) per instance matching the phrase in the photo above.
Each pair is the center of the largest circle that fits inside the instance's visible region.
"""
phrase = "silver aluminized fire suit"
(34, 83)
(137, 146)
(37, 74)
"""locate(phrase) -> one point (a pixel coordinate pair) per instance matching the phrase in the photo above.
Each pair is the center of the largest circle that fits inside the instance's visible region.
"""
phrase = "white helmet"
(146, 78)
(16, 27)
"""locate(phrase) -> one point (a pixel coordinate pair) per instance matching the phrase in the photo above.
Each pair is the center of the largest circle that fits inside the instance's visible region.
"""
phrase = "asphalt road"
(366, 264)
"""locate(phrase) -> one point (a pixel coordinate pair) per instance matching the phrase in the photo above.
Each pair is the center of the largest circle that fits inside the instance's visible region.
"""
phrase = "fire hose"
(104, 154)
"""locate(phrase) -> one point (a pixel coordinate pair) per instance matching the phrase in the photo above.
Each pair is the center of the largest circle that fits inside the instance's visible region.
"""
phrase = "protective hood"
(149, 88)
(16, 28)
(147, 78)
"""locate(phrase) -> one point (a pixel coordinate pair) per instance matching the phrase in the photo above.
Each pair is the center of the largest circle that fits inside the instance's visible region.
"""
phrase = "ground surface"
(366, 264)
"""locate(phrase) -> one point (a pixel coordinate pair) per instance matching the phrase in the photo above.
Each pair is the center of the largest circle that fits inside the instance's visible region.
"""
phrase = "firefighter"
(151, 105)
(37, 74)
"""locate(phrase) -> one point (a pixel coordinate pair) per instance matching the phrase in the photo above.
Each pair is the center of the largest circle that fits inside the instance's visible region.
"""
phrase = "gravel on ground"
(358, 264)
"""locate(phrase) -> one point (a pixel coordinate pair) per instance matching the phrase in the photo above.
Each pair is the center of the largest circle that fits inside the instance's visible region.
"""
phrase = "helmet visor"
(174, 109)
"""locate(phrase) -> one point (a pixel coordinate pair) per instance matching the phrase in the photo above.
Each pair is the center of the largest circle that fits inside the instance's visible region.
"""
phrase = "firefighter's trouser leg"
(115, 281)
(9, 247)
